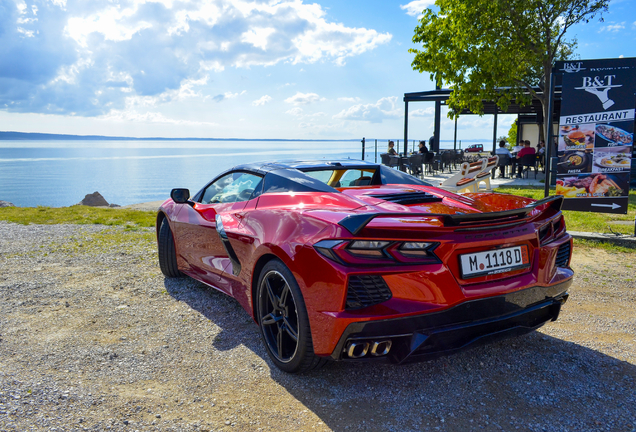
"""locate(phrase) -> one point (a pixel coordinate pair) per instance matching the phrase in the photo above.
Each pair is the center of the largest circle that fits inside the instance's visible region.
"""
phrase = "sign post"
(595, 137)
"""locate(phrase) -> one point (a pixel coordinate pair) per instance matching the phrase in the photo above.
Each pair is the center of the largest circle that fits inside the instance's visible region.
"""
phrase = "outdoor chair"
(447, 160)
(528, 162)
(465, 179)
(485, 174)
(436, 162)
(415, 164)
(428, 162)
(389, 161)
(541, 161)
(502, 164)
(458, 158)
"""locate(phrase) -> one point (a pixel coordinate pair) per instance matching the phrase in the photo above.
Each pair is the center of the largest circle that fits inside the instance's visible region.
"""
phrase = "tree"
(498, 50)
(512, 134)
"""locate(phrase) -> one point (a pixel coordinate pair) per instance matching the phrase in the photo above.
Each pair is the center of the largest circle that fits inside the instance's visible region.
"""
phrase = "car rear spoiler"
(355, 223)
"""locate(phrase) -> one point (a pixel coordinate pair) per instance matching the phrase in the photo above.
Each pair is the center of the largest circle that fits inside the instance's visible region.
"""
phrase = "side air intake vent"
(563, 255)
(364, 291)
(409, 198)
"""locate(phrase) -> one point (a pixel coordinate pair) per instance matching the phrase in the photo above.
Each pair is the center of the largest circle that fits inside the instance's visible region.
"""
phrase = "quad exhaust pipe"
(359, 349)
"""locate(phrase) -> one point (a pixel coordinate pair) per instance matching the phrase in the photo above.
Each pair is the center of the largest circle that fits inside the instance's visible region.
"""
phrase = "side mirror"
(180, 196)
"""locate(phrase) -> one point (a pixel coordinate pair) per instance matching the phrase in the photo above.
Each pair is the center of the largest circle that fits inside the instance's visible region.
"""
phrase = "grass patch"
(83, 215)
(585, 221)
(608, 246)
(116, 241)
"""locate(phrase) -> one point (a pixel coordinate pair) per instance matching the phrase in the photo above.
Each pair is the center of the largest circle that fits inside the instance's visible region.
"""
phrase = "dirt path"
(92, 337)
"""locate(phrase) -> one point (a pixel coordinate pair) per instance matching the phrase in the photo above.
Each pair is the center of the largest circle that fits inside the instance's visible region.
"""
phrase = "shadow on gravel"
(237, 328)
(534, 382)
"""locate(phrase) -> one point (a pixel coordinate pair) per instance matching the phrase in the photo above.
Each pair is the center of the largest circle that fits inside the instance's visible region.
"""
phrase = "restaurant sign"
(596, 130)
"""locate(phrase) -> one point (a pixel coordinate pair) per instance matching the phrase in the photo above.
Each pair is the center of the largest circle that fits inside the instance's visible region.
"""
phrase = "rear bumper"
(471, 323)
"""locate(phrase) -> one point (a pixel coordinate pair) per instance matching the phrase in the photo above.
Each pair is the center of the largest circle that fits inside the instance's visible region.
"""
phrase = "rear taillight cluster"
(552, 230)
(377, 252)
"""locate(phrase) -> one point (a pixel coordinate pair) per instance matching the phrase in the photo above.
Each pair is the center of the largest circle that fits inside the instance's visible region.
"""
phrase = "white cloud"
(296, 112)
(299, 112)
(612, 27)
(416, 7)
(258, 37)
(226, 95)
(25, 32)
(303, 98)
(374, 113)
(113, 24)
(150, 117)
(70, 53)
(262, 100)
(349, 99)
(21, 6)
(422, 112)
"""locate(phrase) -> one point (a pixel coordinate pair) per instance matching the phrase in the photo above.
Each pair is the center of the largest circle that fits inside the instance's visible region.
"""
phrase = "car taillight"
(377, 252)
(415, 249)
(368, 248)
(552, 231)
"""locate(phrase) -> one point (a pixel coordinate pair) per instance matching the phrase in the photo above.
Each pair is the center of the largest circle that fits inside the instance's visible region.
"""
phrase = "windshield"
(344, 177)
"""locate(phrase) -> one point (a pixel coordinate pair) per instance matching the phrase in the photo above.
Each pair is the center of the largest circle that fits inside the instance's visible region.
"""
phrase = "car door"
(199, 227)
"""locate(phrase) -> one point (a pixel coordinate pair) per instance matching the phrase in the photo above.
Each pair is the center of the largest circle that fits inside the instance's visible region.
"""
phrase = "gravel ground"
(93, 337)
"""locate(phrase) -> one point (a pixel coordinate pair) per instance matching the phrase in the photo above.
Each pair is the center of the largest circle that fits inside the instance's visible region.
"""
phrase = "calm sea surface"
(61, 173)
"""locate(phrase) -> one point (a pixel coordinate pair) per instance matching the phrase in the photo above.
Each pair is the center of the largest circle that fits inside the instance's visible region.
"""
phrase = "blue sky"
(233, 68)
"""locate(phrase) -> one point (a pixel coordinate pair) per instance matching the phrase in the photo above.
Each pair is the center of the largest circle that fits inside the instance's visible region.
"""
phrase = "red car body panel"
(287, 225)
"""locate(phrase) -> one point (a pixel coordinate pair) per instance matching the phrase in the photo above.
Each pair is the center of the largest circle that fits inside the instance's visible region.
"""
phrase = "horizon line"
(23, 136)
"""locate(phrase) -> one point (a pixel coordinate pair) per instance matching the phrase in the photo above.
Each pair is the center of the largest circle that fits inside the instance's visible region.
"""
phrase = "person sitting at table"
(391, 150)
(502, 150)
(527, 149)
(541, 152)
(423, 149)
(516, 149)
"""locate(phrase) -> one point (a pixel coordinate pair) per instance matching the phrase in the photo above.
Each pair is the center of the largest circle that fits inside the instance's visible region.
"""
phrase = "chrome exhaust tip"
(357, 350)
(381, 348)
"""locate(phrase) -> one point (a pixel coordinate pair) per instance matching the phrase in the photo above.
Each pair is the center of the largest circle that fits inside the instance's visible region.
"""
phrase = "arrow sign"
(613, 206)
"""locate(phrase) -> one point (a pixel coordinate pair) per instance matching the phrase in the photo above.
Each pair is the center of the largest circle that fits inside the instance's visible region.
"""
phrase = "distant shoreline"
(36, 136)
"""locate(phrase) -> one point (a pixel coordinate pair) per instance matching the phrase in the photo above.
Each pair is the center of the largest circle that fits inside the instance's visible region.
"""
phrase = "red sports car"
(350, 260)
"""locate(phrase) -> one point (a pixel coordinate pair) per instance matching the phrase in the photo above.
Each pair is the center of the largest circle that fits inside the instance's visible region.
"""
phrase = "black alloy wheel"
(166, 251)
(283, 320)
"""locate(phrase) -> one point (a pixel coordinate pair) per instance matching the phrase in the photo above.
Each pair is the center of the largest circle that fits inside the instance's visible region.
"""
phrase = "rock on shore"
(95, 200)
(6, 204)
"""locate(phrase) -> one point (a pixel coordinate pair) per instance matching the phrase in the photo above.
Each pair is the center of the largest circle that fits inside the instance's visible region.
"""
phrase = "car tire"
(282, 318)
(167, 252)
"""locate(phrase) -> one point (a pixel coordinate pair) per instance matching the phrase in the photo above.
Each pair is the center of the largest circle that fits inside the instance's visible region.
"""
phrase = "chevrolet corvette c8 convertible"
(351, 260)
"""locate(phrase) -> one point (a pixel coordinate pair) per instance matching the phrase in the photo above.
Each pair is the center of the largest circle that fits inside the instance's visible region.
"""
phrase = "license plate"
(494, 261)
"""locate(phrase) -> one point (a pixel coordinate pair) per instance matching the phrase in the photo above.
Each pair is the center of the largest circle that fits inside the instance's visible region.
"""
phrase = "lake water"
(61, 173)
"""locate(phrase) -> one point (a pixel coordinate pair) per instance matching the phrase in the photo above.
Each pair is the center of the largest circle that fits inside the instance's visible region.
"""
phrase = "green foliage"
(512, 134)
(496, 49)
(131, 219)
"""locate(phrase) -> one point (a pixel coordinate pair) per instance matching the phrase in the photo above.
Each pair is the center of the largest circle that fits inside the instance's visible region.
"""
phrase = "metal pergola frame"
(532, 111)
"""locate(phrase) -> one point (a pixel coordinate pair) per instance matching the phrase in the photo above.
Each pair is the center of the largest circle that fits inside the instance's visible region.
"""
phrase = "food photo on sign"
(614, 135)
(575, 162)
(593, 185)
(612, 159)
(576, 137)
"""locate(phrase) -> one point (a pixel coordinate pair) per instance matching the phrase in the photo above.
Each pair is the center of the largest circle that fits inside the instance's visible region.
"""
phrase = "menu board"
(596, 135)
